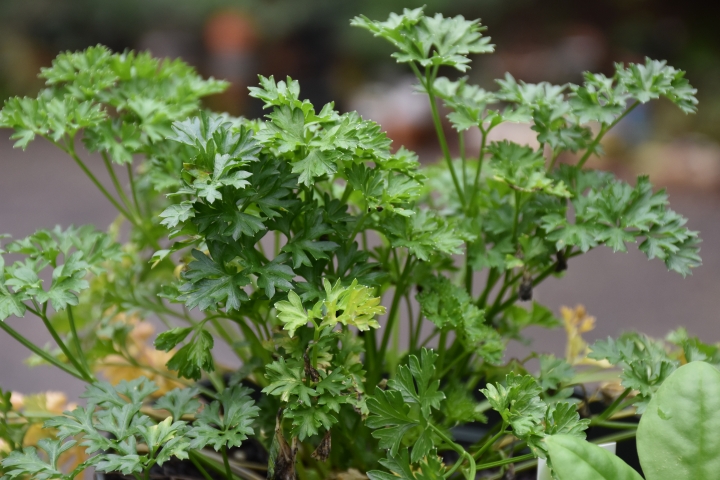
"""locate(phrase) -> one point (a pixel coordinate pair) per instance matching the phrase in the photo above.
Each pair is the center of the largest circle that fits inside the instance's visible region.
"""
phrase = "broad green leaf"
(573, 458)
(678, 433)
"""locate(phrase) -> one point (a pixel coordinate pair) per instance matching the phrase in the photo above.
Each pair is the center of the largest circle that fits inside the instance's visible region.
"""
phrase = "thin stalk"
(70, 150)
(494, 310)
(115, 181)
(64, 348)
(441, 349)
(133, 189)
(601, 134)
(481, 157)
(228, 338)
(472, 472)
(461, 147)
(516, 217)
(490, 442)
(506, 461)
(458, 359)
(553, 159)
(41, 353)
(430, 337)
(612, 408)
(429, 88)
(78, 347)
(492, 278)
(226, 462)
(393, 315)
(411, 324)
(616, 425)
(199, 467)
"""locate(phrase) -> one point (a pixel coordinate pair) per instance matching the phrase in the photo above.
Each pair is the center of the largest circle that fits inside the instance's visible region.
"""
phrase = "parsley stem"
(40, 352)
(460, 451)
(461, 147)
(78, 347)
(492, 278)
(490, 442)
(393, 315)
(70, 150)
(133, 188)
(63, 347)
(441, 349)
(428, 84)
(495, 310)
(478, 171)
(603, 130)
(505, 461)
(612, 408)
(228, 471)
(116, 182)
(199, 466)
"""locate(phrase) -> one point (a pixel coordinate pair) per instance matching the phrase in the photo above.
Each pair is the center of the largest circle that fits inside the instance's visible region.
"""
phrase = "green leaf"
(292, 313)
(390, 416)
(573, 458)
(229, 428)
(125, 464)
(430, 41)
(523, 169)
(518, 403)
(195, 357)
(656, 79)
(211, 283)
(677, 436)
(415, 382)
(450, 307)
(179, 402)
(19, 464)
(168, 340)
(645, 363)
(357, 303)
(308, 420)
(286, 381)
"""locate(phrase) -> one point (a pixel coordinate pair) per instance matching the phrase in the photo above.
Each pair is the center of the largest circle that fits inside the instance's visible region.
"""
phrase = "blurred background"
(311, 40)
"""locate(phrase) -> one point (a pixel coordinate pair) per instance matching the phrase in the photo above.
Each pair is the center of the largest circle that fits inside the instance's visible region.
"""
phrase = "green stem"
(199, 467)
(115, 181)
(490, 442)
(603, 130)
(393, 315)
(226, 462)
(78, 347)
(492, 278)
(615, 425)
(554, 158)
(64, 348)
(41, 353)
(231, 342)
(506, 461)
(481, 157)
(472, 472)
(441, 349)
(495, 310)
(133, 189)
(70, 150)
(458, 359)
(461, 147)
(516, 217)
(429, 88)
(612, 408)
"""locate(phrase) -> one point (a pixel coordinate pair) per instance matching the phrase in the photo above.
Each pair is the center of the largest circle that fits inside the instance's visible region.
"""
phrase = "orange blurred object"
(228, 32)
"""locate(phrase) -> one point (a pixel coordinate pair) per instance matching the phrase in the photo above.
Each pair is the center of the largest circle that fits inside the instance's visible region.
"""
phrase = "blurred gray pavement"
(43, 187)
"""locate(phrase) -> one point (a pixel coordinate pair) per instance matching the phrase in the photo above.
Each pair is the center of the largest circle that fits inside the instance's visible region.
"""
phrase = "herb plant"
(292, 237)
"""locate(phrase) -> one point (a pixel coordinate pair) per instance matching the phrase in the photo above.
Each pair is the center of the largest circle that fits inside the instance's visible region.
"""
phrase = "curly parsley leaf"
(229, 428)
